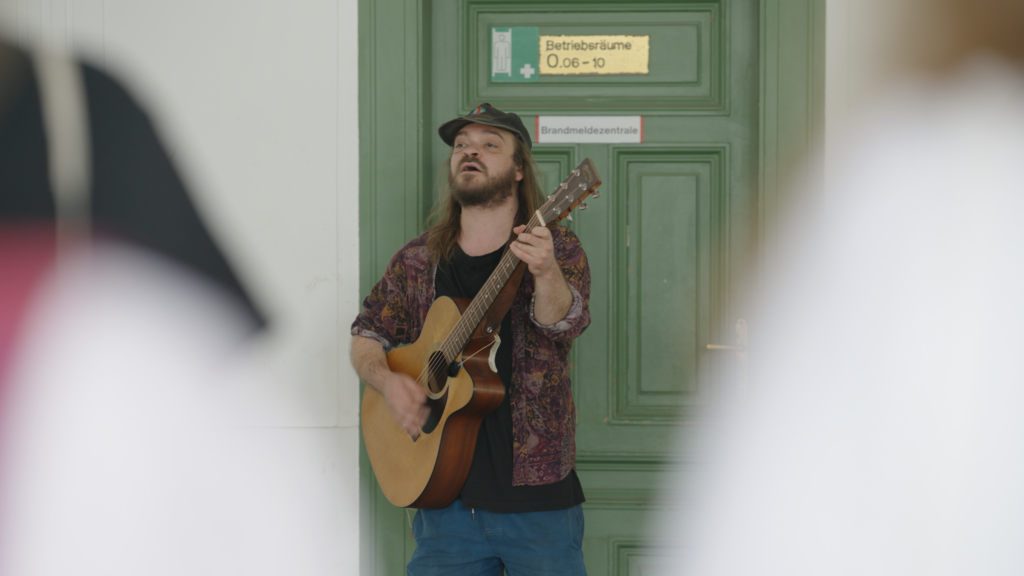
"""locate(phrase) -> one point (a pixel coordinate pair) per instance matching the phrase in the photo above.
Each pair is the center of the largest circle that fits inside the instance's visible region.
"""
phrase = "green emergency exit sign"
(515, 54)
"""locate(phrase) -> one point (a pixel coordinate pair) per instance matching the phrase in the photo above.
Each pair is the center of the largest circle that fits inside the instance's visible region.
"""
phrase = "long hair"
(444, 219)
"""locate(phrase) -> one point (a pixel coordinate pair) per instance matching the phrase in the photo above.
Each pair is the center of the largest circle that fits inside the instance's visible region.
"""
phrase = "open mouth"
(469, 167)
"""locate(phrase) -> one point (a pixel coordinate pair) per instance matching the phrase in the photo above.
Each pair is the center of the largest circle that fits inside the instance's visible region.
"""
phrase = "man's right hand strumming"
(407, 401)
(405, 398)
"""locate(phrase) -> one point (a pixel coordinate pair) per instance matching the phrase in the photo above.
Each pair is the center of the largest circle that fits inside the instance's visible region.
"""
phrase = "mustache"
(495, 190)
(479, 165)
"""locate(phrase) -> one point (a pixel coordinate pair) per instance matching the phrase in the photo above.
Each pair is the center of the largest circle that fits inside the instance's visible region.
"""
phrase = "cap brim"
(450, 129)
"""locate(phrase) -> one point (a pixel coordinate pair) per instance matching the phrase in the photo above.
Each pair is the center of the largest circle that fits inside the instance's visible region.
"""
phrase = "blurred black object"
(136, 194)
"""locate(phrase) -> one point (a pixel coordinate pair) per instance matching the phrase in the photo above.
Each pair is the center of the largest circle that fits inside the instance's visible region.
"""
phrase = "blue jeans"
(458, 541)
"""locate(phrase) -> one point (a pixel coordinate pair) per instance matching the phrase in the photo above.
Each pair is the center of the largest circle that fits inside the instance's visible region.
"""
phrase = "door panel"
(664, 254)
(668, 211)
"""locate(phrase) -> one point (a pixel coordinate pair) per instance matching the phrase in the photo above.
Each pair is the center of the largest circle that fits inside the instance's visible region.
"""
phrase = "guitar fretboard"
(569, 194)
(459, 336)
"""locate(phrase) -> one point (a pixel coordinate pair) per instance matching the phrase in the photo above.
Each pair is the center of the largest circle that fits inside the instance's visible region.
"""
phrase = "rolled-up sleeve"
(373, 336)
(573, 262)
(385, 315)
(575, 312)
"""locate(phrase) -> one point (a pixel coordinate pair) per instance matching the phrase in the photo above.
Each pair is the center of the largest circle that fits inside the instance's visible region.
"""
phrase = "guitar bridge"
(454, 368)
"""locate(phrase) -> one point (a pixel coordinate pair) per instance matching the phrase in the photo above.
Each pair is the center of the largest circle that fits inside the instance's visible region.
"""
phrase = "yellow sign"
(574, 55)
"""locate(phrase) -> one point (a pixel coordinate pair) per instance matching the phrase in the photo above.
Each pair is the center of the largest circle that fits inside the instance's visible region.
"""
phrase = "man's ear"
(519, 172)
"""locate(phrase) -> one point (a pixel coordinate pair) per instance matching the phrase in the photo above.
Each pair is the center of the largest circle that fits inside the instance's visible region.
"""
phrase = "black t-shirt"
(489, 484)
(136, 194)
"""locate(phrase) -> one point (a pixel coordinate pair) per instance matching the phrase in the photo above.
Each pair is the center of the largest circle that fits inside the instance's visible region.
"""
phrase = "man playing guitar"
(519, 509)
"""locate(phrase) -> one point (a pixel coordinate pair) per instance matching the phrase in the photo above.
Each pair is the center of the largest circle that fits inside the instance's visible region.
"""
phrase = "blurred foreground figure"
(884, 434)
(121, 449)
(75, 145)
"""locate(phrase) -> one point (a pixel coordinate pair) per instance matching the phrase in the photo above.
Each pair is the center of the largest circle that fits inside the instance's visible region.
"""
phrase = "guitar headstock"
(582, 182)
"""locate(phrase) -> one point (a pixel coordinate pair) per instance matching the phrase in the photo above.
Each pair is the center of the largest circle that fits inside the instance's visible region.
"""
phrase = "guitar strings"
(459, 332)
(448, 354)
(464, 360)
(508, 261)
(448, 347)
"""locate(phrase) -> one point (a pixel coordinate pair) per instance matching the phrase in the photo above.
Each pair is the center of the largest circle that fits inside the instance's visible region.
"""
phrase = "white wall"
(256, 101)
(862, 41)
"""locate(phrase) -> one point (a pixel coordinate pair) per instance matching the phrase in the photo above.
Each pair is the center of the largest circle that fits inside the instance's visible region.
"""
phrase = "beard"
(488, 194)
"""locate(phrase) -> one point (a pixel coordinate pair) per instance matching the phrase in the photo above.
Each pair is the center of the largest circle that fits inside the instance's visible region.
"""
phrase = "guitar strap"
(501, 305)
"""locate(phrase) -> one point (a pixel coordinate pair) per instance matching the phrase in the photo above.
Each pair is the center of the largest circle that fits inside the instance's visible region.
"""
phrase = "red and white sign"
(592, 129)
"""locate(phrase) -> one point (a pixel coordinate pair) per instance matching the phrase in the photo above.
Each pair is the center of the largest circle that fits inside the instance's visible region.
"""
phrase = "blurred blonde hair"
(939, 34)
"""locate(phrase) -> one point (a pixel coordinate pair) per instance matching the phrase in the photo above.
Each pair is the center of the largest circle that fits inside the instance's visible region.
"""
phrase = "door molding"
(395, 192)
(708, 94)
(394, 197)
(792, 98)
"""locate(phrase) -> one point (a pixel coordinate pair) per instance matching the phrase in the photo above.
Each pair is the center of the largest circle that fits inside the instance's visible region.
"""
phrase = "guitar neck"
(474, 313)
(580, 183)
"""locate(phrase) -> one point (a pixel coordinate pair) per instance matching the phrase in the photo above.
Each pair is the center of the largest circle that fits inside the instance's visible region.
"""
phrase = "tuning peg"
(583, 206)
(569, 216)
(595, 194)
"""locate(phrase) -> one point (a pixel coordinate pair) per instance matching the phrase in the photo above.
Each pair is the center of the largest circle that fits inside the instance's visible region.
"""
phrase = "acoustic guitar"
(453, 360)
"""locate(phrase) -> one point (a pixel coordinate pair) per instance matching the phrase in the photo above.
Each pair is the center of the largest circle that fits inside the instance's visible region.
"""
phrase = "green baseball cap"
(490, 116)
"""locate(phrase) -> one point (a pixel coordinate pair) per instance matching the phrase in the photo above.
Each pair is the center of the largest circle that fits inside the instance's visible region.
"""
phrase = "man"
(519, 509)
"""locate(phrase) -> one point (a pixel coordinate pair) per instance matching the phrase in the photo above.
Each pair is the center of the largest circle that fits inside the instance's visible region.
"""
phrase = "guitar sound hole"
(437, 374)
(436, 406)
(437, 377)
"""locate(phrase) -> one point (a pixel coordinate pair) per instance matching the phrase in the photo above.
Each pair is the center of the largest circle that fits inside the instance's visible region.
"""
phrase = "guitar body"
(429, 472)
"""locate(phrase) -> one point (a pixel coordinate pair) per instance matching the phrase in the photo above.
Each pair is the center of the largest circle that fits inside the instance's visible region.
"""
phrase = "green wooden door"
(668, 241)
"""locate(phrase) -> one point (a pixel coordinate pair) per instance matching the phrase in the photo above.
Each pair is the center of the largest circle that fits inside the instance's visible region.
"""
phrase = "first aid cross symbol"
(527, 70)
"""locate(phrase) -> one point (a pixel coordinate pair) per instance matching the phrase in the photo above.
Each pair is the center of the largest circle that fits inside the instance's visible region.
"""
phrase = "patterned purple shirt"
(543, 413)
